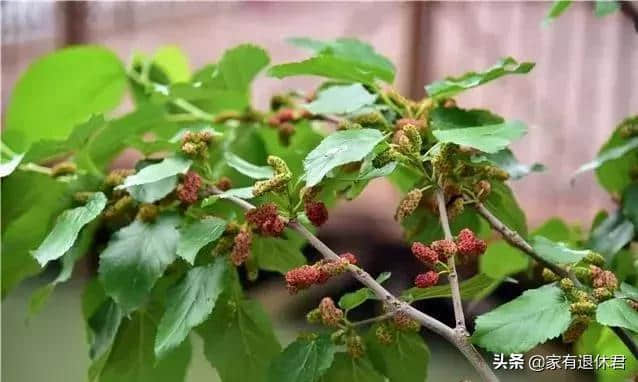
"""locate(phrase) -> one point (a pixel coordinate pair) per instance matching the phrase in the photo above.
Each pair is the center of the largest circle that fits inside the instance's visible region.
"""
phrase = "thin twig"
(452, 277)
(516, 240)
(372, 320)
(458, 339)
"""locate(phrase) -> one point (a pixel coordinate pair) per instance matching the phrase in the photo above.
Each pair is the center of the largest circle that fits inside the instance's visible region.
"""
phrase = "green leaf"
(344, 59)
(406, 359)
(606, 7)
(304, 360)
(444, 118)
(173, 62)
(103, 326)
(600, 340)
(556, 253)
(630, 203)
(112, 138)
(617, 157)
(617, 312)
(189, 303)
(557, 9)
(239, 66)
(247, 168)
(506, 160)
(341, 99)
(516, 327)
(67, 228)
(6, 168)
(79, 249)
(136, 257)
(502, 203)
(613, 152)
(554, 229)
(239, 341)
(48, 149)
(352, 300)
(337, 149)
(451, 86)
(65, 87)
(346, 368)
(150, 174)
(279, 254)
(489, 138)
(627, 291)
(474, 287)
(501, 260)
(196, 235)
(611, 235)
(152, 192)
(131, 358)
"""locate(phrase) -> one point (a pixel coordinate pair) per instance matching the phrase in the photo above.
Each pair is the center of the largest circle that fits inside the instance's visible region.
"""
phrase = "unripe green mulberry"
(408, 204)
(371, 118)
(385, 334)
(594, 259)
(566, 284)
(602, 294)
(314, 316)
(355, 346)
(279, 165)
(456, 208)
(582, 307)
(414, 139)
(549, 276)
(582, 274)
(338, 337)
(348, 125)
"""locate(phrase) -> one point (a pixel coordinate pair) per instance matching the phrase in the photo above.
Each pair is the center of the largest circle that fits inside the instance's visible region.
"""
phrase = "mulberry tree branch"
(459, 340)
(517, 241)
(452, 277)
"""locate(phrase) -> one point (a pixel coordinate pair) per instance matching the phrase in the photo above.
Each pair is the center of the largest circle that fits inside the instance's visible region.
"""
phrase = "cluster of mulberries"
(188, 189)
(277, 182)
(468, 245)
(327, 314)
(408, 204)
(307, 275)
(241, 246)
(439, 250)
(195, 144)
(266, 219)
